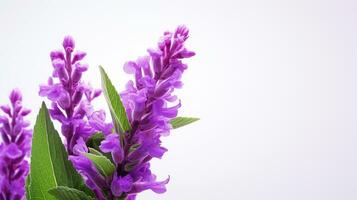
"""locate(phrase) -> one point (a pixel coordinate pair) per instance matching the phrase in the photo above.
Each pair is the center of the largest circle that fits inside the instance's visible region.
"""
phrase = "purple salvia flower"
(15, 147)
(112, 145)
(121, 185)
(71, 98)
(146, 101)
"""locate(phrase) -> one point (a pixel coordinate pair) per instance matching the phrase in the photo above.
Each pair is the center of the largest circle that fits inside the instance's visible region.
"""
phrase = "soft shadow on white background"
(274, 83)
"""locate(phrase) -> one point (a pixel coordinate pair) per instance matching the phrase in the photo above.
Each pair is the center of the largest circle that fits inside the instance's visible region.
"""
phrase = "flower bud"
(15, 96)
(77, 74)
(68, 44)
(78, 56)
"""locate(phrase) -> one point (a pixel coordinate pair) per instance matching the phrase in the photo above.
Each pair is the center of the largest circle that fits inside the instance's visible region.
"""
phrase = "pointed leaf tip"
(115, 104)
(182, 121)
(50, 166)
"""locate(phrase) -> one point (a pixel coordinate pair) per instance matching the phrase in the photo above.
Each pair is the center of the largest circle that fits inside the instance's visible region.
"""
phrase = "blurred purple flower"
(16, 138)
(71, 98)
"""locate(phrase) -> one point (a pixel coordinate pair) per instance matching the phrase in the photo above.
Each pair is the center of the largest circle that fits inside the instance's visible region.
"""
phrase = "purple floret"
(15, 148)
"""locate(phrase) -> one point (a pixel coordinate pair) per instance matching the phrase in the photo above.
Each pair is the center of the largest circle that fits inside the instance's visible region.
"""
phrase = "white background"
(274, 83)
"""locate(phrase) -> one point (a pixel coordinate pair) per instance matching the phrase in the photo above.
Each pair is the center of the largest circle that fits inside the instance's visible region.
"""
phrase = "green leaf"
(28, 181)
(103, 164)
(116, 107)
(50, 166)
(94, 151)
(182, 121)
(86, 190)
(62, 192)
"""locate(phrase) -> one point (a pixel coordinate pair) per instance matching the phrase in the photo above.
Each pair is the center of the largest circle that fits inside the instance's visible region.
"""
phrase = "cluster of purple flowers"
(71, 98)
(147, 102)
(15, 148)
